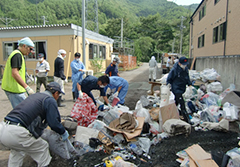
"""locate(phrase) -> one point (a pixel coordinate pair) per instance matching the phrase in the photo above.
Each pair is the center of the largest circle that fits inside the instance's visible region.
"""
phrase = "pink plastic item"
(115, 101)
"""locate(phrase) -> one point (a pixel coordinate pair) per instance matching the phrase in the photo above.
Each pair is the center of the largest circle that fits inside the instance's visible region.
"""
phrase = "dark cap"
(183, 60)
(40, 55)
(55, 86)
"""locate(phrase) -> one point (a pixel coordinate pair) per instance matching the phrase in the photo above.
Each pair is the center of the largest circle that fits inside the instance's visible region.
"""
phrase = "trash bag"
(62, 148)
(84, 110)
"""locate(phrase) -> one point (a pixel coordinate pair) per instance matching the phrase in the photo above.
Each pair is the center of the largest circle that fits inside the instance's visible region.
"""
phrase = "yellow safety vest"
(8, 82)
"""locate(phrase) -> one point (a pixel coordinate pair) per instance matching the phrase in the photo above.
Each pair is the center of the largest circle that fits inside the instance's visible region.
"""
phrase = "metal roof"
(35, 26)
(52, 30)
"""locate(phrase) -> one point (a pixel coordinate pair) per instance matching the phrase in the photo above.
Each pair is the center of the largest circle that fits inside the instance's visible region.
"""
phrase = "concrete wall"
(227, 67)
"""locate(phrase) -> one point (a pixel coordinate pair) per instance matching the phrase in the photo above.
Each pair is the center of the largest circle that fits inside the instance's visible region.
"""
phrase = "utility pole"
(37, 12)
(44, 20)
(181, 33)
(83, 32)
(173, 45)
(96, 16)
(6, 20)
(121, 32)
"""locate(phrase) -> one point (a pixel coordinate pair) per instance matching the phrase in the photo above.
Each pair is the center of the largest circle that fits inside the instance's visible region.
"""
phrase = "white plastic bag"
(230, 111)
(99, 125)
(145, 143)
(142, 112)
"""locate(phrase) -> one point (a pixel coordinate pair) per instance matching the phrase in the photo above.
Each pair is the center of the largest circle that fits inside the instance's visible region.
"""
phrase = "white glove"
(29, 90)
(80, 94)
(66, 81)
(115, 94)
(109, 105)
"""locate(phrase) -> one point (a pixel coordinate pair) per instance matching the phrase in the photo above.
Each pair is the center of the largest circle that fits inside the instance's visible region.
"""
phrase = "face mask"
(101, 86)
(183, 66)
(77, 59)
(40, 59)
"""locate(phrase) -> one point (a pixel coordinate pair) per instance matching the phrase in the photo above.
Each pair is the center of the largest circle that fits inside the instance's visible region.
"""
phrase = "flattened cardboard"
(137, 131)
(197, 153)
(200, 157)
(207, 163)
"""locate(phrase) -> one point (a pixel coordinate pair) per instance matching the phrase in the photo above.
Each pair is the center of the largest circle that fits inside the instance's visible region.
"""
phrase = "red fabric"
(84, 110)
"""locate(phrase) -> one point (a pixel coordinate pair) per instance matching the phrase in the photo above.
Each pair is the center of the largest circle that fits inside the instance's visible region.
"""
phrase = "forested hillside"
(153, 25)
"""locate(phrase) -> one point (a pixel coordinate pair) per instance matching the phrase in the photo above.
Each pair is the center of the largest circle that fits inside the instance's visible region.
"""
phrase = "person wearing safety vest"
(14, 81)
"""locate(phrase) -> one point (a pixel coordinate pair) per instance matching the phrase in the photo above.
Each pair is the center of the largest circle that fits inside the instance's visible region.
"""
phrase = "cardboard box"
(137, 131)
(169, 111)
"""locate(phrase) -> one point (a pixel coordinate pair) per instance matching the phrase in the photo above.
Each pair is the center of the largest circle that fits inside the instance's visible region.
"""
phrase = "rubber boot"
(59, 100)
(73, 94)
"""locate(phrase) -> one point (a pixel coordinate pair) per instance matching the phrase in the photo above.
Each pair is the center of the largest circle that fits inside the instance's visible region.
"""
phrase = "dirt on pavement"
(162, 155)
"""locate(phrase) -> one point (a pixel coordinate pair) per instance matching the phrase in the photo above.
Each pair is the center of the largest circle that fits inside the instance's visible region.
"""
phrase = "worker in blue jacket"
(121, 86)
(178, 78)
(78, 69)
(92, 83)
(112, 69)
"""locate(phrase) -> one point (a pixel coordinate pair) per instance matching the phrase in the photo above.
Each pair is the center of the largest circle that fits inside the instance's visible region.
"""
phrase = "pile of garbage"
(126, 135)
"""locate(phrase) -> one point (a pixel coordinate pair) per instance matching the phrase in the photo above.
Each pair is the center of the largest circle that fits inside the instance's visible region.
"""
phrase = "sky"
(185, 2)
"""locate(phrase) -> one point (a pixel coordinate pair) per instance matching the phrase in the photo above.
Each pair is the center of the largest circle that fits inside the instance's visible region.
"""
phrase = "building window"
(219, 33)
(216, 1)
(202, 12)
(97, 51)
(40, 47)
(201, 41)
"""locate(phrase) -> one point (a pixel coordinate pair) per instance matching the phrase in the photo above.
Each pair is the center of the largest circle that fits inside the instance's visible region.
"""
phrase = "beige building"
(214, 38)
(49, 39)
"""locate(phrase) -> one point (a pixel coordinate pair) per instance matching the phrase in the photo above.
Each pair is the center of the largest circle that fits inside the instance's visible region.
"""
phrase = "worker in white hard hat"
(14, 80)
(59, 76)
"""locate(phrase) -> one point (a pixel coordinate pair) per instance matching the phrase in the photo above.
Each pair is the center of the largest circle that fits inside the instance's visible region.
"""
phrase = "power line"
(6, 20)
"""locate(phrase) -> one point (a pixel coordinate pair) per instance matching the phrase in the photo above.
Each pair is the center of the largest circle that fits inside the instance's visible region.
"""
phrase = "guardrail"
(27, 75)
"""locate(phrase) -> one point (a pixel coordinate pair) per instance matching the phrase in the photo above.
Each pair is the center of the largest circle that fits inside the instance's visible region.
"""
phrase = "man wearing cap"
(121, 88)
(59, 76)
(178, 78)
(22, 128)
(78, 69)
(92, 83)
(42, 70)
(14, 80)
(112, 69)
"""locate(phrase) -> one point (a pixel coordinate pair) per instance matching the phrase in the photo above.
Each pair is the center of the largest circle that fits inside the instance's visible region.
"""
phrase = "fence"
(128, 62)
